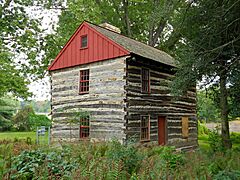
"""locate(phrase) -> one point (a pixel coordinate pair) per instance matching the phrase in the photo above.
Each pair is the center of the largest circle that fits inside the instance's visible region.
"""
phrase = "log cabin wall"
(105, 101)
(158, 103)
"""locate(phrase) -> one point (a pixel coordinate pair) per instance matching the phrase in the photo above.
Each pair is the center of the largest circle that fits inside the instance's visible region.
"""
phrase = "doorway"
(162, 130)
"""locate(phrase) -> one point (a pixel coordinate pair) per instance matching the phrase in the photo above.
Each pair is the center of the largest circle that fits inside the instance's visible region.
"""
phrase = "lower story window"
(84, 127)
(145, 128)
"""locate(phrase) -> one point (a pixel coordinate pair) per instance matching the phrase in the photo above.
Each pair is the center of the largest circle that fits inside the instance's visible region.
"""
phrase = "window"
(84, 81)
(145, 81)
(84, 127)
(185, 127)
(84, 41)
(145, 128)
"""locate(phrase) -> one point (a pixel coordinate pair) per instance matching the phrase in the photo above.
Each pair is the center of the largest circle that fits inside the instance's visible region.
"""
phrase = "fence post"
(37, 136)
(49, 135)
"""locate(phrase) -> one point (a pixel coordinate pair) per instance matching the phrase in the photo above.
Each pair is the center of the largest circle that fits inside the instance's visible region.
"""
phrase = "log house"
(123, 84)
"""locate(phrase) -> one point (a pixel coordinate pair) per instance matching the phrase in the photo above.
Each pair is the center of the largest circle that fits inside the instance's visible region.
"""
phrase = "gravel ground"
(234, 126)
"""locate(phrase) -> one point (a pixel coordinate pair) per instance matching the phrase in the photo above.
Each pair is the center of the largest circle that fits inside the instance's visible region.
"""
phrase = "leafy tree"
(148, 21)
(20, 45)
(8, 107)
(36, 120)
(210, 51)
(11, 79)
(21, 119)
(206, 108)
(27, 120)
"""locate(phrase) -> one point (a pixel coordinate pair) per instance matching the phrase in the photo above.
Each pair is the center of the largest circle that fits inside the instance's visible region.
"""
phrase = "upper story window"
(84, 81)
(145, 81)
(84, 127)
(84, 41)
(145, 128)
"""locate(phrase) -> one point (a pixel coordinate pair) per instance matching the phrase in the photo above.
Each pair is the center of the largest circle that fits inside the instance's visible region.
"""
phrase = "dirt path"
(234, 126)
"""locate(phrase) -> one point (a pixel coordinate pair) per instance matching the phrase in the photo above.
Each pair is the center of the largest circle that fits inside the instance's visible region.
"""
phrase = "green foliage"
(36, 120)
(210, 52)
(21, 119)
(11, 79)
(147, 21)
(20, 39)
(202, 129)
(170, 159)
(227, 175)
(26, 164)
(27, 120)
(29, 163)
(235, 137)
(110, 161)
(206, 108)
(128, 155)
(215, 141)
(8, 107)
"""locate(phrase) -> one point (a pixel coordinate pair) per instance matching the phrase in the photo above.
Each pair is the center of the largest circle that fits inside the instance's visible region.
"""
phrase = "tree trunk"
(126, 18)
(224, 111)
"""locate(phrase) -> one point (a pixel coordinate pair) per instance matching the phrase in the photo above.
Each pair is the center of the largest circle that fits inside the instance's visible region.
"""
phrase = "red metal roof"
(99, 48)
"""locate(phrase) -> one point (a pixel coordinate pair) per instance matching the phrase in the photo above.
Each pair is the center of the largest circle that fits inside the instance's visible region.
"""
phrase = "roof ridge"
(128, 37)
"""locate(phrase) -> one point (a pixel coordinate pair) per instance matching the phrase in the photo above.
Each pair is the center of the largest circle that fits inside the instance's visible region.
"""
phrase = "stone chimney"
(110, 27)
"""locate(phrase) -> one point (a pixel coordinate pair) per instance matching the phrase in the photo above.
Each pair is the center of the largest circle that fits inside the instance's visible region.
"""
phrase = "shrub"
(128, 155)
(235, 138)
(36, 120)
(31, 164)
(21, 119)
(170, 158)
(27, 120)
(215, 141)
(227, 175)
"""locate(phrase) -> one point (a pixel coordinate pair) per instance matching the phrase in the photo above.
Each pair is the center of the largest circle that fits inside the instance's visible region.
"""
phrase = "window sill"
(148, 93)
(82, 48)
(82, 93)
(146, 140)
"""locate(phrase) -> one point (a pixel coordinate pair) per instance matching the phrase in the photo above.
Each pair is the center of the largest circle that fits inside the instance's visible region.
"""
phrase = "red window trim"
(82, 36)
(148, 128)
(82, 134)
(84, 82)
(147, 80)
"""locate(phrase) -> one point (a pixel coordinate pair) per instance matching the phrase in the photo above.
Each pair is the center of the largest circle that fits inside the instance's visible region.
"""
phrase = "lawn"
(18, 136)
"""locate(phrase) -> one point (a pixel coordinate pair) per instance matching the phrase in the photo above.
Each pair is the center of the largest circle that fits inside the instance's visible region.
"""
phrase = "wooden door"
(161, 130)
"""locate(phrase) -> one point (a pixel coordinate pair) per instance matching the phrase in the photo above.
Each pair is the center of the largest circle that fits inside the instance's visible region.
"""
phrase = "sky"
(41, 88)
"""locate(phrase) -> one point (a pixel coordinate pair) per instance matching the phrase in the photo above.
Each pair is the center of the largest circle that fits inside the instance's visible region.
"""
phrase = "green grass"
(14, 136)
(204, 144)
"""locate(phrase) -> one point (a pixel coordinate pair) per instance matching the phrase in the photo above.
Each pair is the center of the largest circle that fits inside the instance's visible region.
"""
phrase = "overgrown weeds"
(115, 161)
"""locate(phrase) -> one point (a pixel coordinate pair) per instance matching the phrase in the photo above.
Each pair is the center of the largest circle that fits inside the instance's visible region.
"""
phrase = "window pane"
(145, 80)
(144, 128)
(84, 127)
(84, 41)
(84, 81)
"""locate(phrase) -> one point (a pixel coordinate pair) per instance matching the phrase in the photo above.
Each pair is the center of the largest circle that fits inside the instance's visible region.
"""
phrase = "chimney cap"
(110, 27)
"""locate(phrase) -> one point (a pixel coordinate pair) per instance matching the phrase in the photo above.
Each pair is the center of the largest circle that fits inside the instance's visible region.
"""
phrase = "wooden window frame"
(147, 138)
(84, 76)
(81, 41)
(145, 82)
(83, 134)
